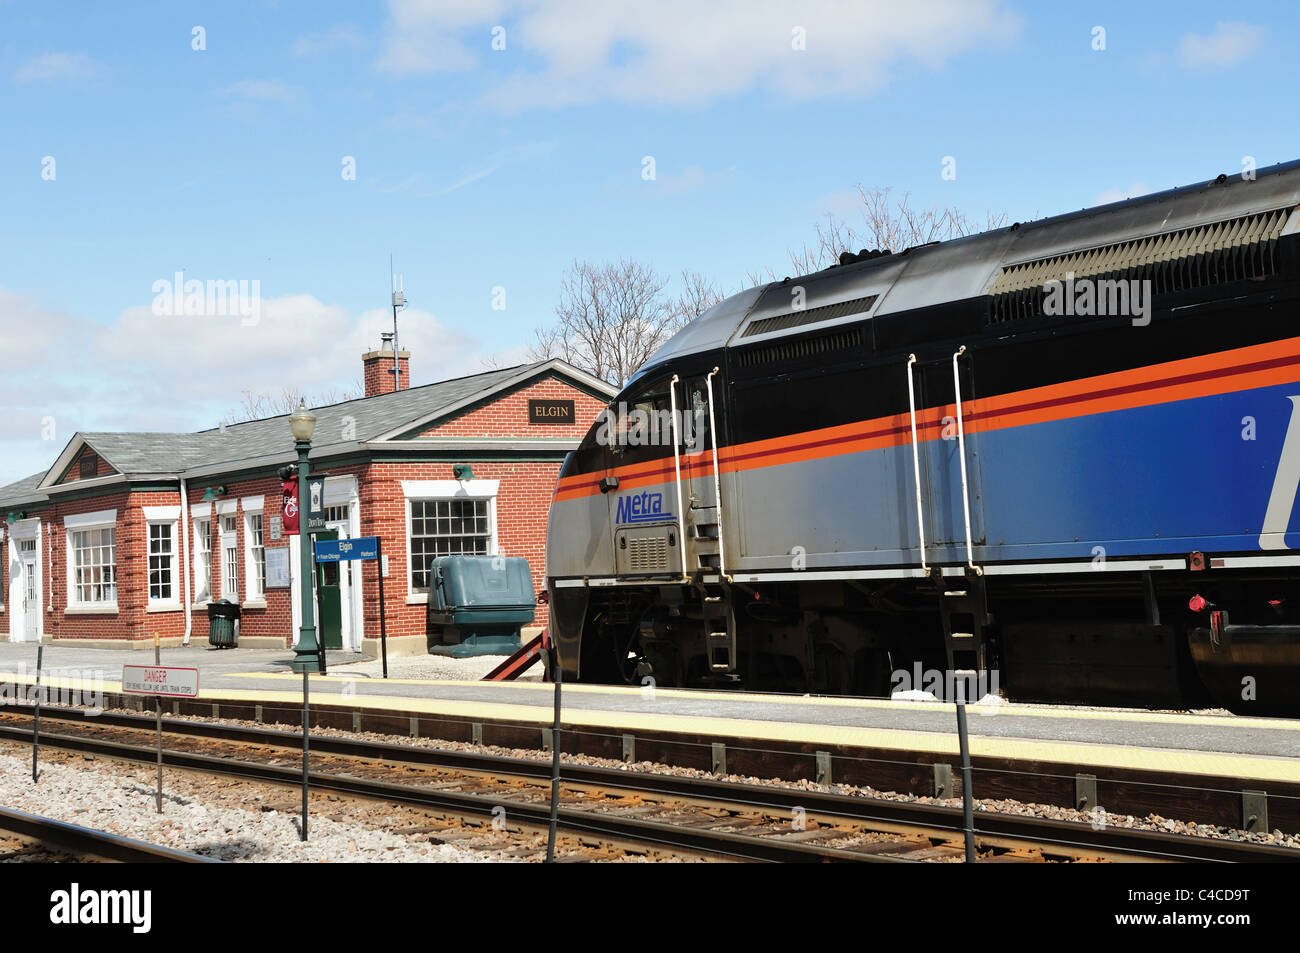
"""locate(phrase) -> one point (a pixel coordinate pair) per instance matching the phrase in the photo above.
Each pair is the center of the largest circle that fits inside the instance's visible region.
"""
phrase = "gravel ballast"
(1097, 818)
(120, 800)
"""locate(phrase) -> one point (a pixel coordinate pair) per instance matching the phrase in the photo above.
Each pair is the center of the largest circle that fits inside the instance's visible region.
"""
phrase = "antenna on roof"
(399, 303)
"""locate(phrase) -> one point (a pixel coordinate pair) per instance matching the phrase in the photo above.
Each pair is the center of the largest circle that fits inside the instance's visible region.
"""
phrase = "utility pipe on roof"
(185, 560)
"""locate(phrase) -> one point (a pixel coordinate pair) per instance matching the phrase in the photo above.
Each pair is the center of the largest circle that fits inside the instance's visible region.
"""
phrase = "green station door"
(329, 599)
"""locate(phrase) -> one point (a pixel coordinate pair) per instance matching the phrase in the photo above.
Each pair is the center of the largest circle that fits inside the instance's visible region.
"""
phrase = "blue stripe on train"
(1190, 475)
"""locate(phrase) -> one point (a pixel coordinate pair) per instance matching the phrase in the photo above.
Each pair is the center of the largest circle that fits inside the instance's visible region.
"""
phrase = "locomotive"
(1065, 452)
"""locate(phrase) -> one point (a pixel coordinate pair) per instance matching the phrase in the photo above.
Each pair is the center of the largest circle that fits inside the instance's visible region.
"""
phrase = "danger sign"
(160, 680)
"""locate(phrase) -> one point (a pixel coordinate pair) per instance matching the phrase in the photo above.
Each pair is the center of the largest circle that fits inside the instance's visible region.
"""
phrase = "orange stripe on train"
(1260, 365)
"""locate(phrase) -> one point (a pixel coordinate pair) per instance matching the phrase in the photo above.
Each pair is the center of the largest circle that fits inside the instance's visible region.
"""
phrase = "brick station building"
(132, 534)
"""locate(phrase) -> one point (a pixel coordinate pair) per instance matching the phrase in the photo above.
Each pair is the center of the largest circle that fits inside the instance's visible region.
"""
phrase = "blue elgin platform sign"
(364, 547)
(335, 550)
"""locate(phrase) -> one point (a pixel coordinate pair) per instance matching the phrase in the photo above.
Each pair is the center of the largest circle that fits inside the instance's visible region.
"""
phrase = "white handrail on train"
(961, 452)
(677, 466)
(717, 484)
(916, 461)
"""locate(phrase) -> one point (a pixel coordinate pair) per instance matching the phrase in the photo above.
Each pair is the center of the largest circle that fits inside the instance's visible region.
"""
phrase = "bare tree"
(891, 225)
(696, 296)
(258, 406)
(610, 318)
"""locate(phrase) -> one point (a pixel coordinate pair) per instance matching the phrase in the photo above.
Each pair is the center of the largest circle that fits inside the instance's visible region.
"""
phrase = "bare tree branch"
(888, 225)
(612, 317)
(258, 406)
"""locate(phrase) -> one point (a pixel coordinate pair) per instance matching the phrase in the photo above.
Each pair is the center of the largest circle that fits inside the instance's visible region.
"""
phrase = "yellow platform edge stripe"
(1105, 714)
(1243, 766)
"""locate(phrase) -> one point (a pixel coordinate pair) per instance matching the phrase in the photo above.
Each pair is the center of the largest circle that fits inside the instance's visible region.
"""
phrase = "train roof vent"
(794, 348)
(1198, 257)
(795, 319)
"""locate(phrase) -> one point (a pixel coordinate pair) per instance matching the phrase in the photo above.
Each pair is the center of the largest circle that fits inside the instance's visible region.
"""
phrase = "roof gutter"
(267, 460)
(75, 485)
(426, 445)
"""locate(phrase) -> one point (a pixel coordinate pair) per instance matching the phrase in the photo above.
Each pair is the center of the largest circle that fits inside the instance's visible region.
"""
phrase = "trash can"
(478, 604)
(223, 621)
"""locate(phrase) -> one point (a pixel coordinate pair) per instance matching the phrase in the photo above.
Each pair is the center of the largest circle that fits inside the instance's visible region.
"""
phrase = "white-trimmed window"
(230, 558)
(92, 560)
(254, 549)
(256, 556)
(162, 541)
(447, 518)
(162, 562)
(203, 559)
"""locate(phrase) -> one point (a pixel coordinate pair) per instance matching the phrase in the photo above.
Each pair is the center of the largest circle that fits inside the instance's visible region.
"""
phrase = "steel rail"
(614, 827)
(994, 829)
(86, 841)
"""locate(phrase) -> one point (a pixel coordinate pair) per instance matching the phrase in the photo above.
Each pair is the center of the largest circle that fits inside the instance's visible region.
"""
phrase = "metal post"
(307, 651)
(317, 579)
(553, 657)
(967, 801)
(157, 710)
(306, 721)
(383, 625)
(36, 727)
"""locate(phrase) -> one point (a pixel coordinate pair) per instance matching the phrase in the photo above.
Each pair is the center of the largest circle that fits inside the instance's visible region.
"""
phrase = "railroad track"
(50, 839)
(742, 821)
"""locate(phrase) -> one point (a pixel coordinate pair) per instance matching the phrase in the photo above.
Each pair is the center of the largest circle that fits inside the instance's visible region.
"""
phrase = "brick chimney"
(379, 371)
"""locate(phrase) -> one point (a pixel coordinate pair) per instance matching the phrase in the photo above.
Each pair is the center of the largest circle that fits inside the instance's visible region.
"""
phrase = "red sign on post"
(289, 503)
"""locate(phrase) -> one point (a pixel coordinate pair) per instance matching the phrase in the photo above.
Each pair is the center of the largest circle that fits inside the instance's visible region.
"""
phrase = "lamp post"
(303, 424)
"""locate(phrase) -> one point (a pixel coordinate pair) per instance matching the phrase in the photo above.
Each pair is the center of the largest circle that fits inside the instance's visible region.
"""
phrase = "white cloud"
(336, 40)
(1229, 43)
(264, 91)
(682, 51)
(146, 372)
(845, 203)
(419, 37)
(1119, 195)
(56, 67)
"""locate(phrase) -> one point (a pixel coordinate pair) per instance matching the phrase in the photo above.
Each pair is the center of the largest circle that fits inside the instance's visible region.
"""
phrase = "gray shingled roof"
(362, 419)
(368, 416)
(22, 491)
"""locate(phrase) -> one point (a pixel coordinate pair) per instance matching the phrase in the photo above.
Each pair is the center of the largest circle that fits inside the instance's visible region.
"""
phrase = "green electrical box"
(478, 604)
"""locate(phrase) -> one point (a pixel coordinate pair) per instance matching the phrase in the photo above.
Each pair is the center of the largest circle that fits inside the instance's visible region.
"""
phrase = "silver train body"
(926, 461)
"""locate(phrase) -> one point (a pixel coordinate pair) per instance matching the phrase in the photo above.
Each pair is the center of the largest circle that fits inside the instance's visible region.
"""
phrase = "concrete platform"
(1263, 749)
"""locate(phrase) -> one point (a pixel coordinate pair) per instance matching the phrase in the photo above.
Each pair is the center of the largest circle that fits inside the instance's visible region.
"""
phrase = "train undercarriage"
(1172, 640)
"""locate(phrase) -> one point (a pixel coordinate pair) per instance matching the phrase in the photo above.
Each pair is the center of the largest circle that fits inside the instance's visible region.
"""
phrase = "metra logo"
(643, 507)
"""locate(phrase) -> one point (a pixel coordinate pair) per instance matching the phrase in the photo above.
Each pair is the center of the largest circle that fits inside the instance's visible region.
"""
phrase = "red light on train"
(1198, 603)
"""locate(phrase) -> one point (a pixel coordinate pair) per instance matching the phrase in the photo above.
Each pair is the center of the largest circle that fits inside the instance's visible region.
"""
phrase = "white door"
(347, 577)
(29, 589)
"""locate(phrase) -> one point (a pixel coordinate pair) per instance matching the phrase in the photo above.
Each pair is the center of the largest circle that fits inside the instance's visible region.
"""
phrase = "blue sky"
(481, 169)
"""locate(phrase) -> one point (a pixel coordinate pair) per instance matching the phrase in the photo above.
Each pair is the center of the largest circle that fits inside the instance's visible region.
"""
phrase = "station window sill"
(417, 598)
(253, 604)
(91, 610)
(163, 607)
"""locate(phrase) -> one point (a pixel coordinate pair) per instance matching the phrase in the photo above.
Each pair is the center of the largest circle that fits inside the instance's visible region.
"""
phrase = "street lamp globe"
(302, 422)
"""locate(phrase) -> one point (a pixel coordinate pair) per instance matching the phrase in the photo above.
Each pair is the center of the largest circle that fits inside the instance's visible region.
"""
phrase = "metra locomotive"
(1066, 452)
